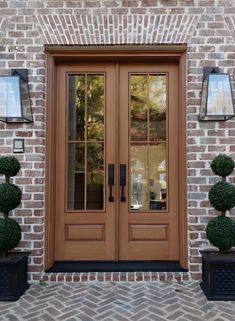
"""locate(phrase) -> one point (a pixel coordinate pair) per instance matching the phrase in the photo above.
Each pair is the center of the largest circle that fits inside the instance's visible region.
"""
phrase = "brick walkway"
(107, 301)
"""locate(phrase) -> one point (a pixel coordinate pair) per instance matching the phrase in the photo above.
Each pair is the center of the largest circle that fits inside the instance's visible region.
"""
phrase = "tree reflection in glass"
(139, 107)
(85, 157)
(148, 136)
(95, 107)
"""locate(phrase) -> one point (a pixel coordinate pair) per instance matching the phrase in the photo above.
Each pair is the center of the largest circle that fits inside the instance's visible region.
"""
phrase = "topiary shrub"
(10, 235)
(221, 230)
(222, 165)
(222, 196)
(9, 166)
(10, 198)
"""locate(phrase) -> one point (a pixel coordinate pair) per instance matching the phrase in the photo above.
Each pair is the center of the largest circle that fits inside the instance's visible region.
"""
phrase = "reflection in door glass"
(139, 107)
(139, 170)
(157, 108)
(95, 107)
(85, 183)
(77, 103)
(148, 142)
(157, 176)
(95, 176)
(76, 179)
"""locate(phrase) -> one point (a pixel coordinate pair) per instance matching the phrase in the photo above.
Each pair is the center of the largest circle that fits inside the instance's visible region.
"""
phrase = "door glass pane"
(95, 107)
(77, 94)
(85, 183)
(157, 108)
(157, 176)
(139, 107)
(76, 176)
(148, 142)
(95, 176)
(139, 170)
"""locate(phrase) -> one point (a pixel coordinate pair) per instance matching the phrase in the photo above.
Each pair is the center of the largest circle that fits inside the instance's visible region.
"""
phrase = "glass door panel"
(86, 155)
(148, 141)
(139, 171)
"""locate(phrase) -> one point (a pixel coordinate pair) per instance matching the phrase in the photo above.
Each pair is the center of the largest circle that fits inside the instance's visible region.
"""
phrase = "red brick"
(76, 278)
(34, 268)
(130, 3)
(68, 278)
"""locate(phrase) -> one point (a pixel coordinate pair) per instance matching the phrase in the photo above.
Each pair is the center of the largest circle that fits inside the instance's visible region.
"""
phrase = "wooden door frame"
(77, 54)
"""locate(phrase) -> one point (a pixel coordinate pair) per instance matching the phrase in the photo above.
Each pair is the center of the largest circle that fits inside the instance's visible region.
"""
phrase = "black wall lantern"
(14, 98)
(216, 99)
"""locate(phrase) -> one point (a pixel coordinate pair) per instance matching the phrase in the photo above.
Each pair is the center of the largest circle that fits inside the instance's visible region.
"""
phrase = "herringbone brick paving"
(109, 301)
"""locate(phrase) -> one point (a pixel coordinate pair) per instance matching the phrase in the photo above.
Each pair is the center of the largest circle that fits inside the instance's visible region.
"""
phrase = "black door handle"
(123, 181)
(111, 181)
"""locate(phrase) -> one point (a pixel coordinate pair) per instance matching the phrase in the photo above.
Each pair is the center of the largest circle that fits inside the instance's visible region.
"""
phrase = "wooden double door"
(117, 162)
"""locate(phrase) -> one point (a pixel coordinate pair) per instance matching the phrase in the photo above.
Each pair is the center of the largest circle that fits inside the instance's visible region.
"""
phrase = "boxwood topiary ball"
(9, 166)
(10, 197)
(222, 165)
(10, 235)
(221, 233)
(222, 196)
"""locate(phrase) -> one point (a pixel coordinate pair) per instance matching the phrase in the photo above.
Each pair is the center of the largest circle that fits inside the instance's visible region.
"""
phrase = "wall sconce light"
(216, 98)
(14, 98)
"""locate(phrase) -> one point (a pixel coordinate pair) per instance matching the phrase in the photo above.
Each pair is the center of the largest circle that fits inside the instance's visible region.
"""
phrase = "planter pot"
(218, 275)
(13, 276)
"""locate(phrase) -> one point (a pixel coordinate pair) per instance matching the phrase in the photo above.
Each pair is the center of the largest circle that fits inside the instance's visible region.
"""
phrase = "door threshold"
(120, 266)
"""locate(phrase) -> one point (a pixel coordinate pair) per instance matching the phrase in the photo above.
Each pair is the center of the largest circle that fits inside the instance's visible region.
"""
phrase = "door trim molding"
(151, 53)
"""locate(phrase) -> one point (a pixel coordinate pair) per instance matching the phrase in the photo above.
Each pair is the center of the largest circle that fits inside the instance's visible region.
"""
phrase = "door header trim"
(125, 53)
(116, 48)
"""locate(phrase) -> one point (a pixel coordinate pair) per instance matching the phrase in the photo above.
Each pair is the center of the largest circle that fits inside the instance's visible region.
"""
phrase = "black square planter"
(13, 276)
(218, 275)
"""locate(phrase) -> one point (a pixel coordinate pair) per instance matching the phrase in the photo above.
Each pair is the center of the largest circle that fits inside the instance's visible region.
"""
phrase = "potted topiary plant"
(218, 267)
(13, 265)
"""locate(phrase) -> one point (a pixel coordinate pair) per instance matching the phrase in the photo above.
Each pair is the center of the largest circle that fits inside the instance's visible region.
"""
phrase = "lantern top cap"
(22, 73)
(210, 70)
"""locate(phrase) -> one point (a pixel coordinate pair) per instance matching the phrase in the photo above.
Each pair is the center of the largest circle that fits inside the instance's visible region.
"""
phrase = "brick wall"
(208, 29)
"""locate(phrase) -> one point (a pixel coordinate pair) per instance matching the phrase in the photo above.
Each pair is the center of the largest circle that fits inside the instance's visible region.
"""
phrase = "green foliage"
(10, 235)
(221, 233)
(9, 166)
(221, 230)
(152, 195)
(222, 165)
(10, 197)
(222, 196)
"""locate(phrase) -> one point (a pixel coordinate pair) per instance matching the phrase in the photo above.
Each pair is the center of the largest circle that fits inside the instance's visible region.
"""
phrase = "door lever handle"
(123, 181)
(111, 181)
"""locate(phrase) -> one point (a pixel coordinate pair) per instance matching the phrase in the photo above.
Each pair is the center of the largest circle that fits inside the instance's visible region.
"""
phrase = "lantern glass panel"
(219, 99)
(203, 99)
(10, 102)
(26, 107)
(14, 100)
